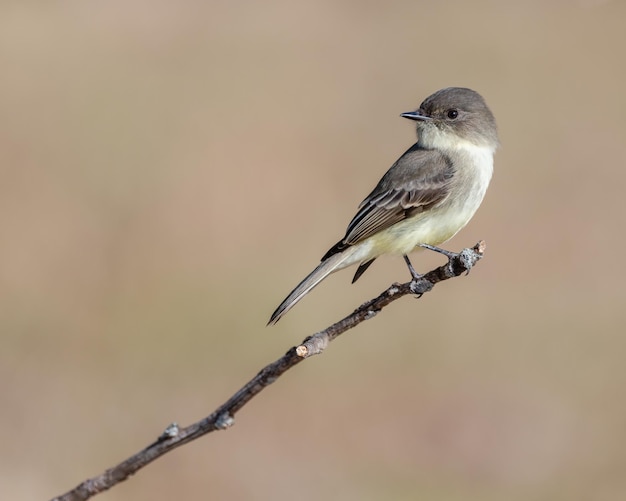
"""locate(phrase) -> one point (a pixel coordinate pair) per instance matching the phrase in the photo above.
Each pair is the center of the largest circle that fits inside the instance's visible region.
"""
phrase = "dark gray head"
(454, 115)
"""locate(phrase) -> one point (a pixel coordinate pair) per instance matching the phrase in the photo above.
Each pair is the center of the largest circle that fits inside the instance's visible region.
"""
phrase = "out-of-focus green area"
(171, 170)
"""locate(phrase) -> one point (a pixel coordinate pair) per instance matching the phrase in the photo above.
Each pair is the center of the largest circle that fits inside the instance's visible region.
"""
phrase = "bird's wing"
(419, 180)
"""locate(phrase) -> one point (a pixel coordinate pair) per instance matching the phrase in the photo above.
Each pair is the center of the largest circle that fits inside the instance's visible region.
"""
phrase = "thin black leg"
(414, 274)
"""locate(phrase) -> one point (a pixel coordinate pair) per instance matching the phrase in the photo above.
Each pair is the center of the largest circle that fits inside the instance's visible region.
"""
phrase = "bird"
(428, 195)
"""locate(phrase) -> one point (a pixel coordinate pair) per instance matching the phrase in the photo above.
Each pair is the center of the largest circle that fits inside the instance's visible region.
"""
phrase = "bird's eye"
(452, 114)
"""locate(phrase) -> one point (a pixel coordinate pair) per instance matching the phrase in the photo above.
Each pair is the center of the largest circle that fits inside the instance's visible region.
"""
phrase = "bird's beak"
(415, 115)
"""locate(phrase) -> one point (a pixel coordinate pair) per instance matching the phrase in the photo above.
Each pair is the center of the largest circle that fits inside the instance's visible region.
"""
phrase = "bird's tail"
(326, 267)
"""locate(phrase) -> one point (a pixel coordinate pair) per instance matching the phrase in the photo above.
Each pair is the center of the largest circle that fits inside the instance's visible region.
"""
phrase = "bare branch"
(223, 417)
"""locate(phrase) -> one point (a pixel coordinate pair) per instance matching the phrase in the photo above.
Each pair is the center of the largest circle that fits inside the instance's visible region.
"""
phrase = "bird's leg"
(414, 274)
(419, 284)
(449, 254)
(452, 255)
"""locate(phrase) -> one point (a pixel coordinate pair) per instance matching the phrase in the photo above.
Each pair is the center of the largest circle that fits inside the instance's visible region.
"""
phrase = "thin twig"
(223, 417)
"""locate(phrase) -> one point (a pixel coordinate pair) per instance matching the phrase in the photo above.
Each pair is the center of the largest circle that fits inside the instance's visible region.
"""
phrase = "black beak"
(415, 115)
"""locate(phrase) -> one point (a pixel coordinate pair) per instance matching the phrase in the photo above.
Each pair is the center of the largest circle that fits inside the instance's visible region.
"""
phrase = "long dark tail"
(325, 268)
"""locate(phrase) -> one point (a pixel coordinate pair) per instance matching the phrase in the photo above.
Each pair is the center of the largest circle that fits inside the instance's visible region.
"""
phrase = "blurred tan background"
(170, 171)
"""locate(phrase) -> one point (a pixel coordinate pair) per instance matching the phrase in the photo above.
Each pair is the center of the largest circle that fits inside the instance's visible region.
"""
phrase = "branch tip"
(313, 345)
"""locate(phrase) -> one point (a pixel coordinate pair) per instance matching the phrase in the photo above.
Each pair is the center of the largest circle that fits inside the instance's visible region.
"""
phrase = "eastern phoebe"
(426, 197)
